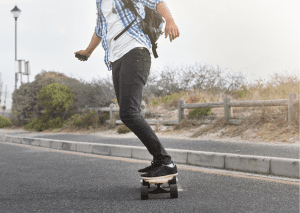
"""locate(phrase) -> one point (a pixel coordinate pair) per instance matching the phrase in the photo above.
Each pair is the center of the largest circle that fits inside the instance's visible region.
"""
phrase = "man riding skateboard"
(129, 59)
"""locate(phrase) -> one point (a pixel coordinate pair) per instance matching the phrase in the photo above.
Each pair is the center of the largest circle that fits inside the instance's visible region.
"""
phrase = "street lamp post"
(16, 13)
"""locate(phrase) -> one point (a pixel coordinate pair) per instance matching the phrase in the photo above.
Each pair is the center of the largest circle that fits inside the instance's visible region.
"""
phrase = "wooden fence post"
(180, 110)
(227, 109)
(111, 114)
(291, 107)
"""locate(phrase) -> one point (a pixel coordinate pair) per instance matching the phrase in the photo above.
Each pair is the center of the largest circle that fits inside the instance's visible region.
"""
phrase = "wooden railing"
(227, 104)
(292, 103)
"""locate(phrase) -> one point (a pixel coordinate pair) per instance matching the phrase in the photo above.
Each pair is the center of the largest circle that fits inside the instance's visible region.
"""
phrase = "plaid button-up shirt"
(126, 17)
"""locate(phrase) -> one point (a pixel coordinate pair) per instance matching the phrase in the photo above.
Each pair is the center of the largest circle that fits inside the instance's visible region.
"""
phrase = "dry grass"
(266, 124)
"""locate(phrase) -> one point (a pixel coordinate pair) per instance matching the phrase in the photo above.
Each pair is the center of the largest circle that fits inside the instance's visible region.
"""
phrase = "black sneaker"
(148, 168)
(161, 171)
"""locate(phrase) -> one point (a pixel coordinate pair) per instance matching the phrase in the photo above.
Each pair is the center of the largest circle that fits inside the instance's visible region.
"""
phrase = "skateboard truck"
(158, 190)
(170, 183)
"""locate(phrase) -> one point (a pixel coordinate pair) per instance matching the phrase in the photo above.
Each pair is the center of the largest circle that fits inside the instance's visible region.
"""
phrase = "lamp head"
(16, 12)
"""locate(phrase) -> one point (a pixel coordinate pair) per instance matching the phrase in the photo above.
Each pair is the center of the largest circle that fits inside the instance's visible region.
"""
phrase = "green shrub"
(167, 99)
(4, 122)
(242, 93)
(196, 113)
(77, 120)
(55, 123)
(155, 103)
(123, 130)
(36, 124)
(55, 98)
(92, 112)
(87, 120)
(14, 118)
(103, 118)
(39, 124)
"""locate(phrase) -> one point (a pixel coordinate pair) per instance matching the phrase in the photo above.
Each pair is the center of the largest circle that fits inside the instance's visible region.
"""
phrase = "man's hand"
(172, 30)
(82, 55)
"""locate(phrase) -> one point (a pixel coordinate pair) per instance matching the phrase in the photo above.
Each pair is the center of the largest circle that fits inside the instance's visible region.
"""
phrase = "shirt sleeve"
(151, 3)
(99, 22)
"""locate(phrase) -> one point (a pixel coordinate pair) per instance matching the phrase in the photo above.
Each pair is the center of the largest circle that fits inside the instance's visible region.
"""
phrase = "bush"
(103, 118)
(55, 123)
(196, 113)
(85, 121)
(123, 130)
(56, 99)
(4, 122)
(242, 93)
(39, 124)
(95, 94)
(14, 118)
(167, 99)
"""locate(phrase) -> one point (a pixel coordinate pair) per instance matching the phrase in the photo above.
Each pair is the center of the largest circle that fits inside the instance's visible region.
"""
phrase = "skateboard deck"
(159, 179)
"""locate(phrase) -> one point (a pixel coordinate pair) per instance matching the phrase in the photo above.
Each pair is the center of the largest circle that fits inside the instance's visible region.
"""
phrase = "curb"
(285, 167)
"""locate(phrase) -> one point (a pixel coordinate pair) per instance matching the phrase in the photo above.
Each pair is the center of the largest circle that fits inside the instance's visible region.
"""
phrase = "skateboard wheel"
(144, 192)
(173, 191)
(173, 181)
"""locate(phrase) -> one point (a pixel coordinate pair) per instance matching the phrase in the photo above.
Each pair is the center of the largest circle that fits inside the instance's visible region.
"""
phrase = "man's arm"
(93, 44)
(89, 50)
(161, 7)
(171, 28)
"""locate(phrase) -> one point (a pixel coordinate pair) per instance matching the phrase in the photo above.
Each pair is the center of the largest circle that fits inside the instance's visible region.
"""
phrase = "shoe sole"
(142, 173)
(153, 178)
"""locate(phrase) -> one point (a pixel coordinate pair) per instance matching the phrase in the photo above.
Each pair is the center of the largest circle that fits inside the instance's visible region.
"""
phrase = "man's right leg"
(129, 77)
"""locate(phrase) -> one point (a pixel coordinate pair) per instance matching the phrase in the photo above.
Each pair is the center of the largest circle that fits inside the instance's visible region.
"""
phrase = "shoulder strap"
(123, 31)
(131, 7)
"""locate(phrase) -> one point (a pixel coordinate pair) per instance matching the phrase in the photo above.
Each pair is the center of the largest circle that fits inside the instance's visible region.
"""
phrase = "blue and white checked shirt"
(126, 16)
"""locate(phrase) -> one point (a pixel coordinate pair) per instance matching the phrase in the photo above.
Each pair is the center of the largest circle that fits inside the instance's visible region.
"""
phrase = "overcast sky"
(255, 37)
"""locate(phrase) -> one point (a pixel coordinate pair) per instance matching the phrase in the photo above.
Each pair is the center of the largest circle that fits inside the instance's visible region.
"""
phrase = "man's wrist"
(164, 11)
(170, 21)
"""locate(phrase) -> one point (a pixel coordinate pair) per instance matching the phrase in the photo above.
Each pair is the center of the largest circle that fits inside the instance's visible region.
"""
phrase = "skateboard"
(81, 57)
(163, 185)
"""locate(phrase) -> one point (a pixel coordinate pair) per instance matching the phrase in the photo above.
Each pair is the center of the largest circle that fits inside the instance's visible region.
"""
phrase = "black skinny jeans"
(130, 75)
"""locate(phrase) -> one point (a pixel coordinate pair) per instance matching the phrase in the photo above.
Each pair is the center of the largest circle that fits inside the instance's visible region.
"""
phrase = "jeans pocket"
(137, 64)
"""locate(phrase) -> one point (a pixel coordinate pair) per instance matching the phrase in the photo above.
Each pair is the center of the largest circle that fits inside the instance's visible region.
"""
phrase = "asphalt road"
(260, 149)
(35, 179)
